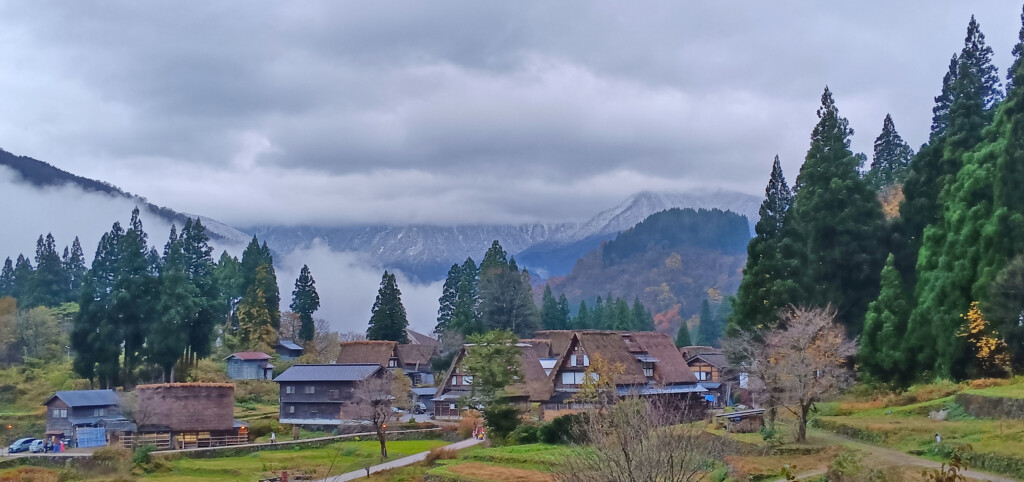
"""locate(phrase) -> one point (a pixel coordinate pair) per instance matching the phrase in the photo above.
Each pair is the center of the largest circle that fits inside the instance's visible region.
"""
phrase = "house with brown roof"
(711, 368)
(413, 359)
(534, 387)
(250, 365)
(186, 415)
(649, 365)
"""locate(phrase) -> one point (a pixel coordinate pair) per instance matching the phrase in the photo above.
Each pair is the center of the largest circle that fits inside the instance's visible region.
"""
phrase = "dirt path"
(881, 456)
(412, 459)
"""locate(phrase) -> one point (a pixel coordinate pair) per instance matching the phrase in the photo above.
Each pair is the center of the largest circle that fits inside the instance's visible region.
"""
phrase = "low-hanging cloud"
(347, 284)
(458, 110)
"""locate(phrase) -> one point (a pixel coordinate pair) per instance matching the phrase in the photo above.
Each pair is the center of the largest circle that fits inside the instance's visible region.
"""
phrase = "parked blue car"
(20, 445)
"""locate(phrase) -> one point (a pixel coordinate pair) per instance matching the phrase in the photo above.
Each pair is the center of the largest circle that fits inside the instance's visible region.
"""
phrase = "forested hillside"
(672, 261)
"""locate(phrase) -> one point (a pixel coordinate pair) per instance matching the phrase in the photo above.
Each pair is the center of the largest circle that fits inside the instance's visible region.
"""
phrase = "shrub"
(470, 421)
(525, 434)
(141, 454)
(501, 420)
(563, 429)
(990, 382)
(846, 465)
(259, 428)
(256, 391)
(439, 453)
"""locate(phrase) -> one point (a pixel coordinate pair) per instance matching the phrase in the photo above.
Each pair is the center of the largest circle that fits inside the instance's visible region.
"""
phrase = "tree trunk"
(383, 444)
(801, 429)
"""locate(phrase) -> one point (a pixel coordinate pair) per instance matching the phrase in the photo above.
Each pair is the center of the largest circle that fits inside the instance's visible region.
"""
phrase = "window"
(703, 376)
(451, 406)
(392, 363)
(60, 413)
(99, 412)
(289, 389)
(309, 389)
(648, 369)
(467, 380)
(334, 395)
(572, 378)
(291, 408)
(572, 360)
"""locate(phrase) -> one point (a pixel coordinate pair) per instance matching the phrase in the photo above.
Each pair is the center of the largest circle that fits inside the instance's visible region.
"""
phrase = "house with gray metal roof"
(288, 350)
(315, 395)
(68, 411)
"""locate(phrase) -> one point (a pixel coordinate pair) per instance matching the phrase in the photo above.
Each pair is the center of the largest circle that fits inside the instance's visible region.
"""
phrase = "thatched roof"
(417, 338)
(415, 354)
(188, 407)
(535, 385)
(670, 368)
(713, 356)
(610, 346)
(541, 347)
(379, 352)
(559, 340)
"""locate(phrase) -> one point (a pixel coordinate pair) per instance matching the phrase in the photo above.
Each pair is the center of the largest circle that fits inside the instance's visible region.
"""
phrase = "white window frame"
(60, 413)
(309, 390)
(291, 408)
(451, 406)
(289, 389)
(467, 379)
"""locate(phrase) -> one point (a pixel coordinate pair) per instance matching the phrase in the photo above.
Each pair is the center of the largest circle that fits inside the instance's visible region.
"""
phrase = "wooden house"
(535, 387)
(186, 415)
(314, 395)
(711, 368)
(649, 365)
(68, 412)
(413, 359)
(250, 365)
(288, 350)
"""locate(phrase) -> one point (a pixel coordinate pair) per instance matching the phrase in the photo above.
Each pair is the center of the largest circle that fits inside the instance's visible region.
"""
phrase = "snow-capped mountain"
(426, 252)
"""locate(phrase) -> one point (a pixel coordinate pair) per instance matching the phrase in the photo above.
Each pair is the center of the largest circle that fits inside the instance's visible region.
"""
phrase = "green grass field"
(330, 460)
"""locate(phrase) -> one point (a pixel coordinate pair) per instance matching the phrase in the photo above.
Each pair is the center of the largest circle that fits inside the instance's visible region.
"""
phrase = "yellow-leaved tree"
(989, 351)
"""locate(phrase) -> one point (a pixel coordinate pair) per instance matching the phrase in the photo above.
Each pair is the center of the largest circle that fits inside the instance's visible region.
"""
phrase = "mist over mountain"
(69, 205)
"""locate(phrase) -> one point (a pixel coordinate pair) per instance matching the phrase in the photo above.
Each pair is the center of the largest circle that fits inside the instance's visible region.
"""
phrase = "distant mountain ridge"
(41, 174)
(425, 252)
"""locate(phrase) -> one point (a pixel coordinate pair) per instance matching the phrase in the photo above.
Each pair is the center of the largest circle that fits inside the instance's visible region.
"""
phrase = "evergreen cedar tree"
(305, 301)
(160, 309)
(881, 350)
(837, 222)
(253, 258)
(891, 158)
(683, 336)
(768, 281)
(387, 319)
(981, 222)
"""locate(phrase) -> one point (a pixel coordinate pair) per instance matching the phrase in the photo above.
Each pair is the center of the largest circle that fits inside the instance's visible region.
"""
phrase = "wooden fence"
(163, 441)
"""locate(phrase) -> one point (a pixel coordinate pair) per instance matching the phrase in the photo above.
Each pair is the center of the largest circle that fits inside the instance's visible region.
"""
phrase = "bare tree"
(640, 440)
(348, 335)
(324, 346)
(802, 361)
(135, 412)
(371, 401)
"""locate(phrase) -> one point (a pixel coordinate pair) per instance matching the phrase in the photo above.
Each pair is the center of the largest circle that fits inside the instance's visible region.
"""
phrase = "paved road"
(412, 459)
(881, 456)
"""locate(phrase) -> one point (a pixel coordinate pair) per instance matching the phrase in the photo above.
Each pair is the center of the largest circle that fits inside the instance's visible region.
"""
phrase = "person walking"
(273, 438)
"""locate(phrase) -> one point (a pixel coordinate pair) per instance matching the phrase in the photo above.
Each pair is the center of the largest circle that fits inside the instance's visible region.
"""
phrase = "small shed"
(250, 365)
(744, 421)
(288, 349)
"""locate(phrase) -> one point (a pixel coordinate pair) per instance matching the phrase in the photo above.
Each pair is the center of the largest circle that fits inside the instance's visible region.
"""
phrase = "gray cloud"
(438, 112)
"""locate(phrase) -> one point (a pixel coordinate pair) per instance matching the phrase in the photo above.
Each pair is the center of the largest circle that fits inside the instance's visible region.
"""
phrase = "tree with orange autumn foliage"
(991, 354)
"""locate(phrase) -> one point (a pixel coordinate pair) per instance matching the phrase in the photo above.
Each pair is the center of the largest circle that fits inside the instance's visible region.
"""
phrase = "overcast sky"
(257, 112)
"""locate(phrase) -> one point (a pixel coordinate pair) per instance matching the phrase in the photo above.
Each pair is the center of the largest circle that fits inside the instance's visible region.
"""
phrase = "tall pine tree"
(768, 282)
(951, 271)
(885, 324)
(7, 278)
(95, 335)
(551, 317)
(209, 311)
(891, 157)
(134, 295)
(838, 221)
(387, 317)
(305, 301)
(446, 303)
(177, 304)
(709, 331)
(75, 268)
(23, 277)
